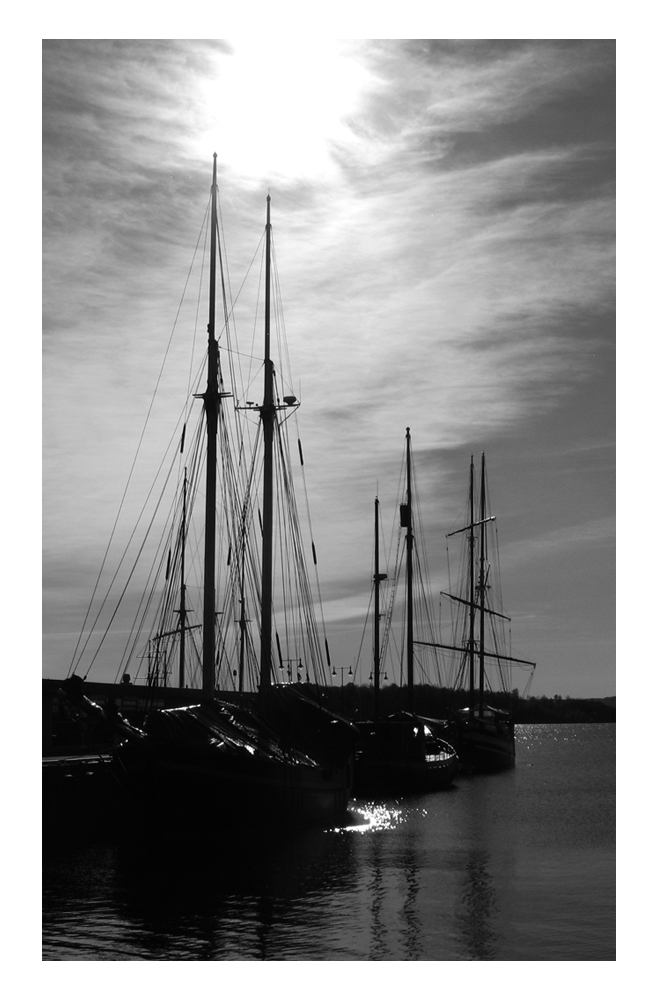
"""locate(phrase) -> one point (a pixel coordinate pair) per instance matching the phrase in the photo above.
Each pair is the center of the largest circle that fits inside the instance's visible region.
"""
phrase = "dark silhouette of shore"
(355, 701)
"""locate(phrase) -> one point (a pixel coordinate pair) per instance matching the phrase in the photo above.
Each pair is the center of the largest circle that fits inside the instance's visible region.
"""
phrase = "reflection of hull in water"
(401, 753)
(290, 760)
(484, 743)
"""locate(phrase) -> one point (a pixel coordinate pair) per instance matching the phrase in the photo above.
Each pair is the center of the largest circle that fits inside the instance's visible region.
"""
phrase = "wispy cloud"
(593, 534)
(443, 224)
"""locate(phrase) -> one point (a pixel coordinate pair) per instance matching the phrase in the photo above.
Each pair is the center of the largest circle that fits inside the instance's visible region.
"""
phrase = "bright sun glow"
(277, 107)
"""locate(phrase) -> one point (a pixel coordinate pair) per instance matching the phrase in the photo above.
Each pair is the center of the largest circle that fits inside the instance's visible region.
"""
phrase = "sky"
(444, 216)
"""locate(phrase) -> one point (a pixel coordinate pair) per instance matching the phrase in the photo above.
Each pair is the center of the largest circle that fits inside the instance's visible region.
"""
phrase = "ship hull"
(223, 761)
(400, 754)
(483, 744)
(198, 787)
(402, 776)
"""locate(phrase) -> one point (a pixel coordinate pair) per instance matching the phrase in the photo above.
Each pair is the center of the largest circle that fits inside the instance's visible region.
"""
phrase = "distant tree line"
(357, 702)
(559, 709)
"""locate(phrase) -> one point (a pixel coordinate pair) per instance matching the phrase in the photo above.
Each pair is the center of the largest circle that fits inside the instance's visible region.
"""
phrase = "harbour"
(513, 866)
(274, 729)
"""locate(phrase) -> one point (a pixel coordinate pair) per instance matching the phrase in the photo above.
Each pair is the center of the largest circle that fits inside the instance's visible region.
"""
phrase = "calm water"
(518, 866)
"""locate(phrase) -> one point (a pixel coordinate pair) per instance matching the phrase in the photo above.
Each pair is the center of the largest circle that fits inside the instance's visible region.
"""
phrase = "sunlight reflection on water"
(373, 816)
(517, 866)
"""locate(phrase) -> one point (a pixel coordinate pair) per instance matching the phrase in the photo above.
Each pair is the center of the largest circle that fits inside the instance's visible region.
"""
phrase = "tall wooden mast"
(471, 591)
(378, 576)
(243, 620)
(410, 609)
(478, 603)
(482, 582)
(268, 417)
(211, 408)
(182, 592)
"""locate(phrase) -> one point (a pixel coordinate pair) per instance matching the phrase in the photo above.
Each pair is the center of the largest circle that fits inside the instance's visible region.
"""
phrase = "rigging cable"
(74, 664)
